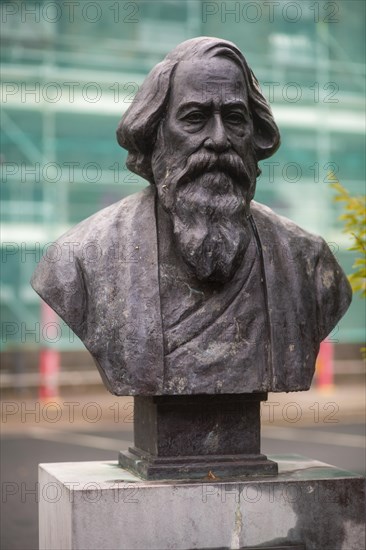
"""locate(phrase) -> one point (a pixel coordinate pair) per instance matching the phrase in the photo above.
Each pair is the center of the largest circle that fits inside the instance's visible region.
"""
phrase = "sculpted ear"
(266, 137)
(266, 132)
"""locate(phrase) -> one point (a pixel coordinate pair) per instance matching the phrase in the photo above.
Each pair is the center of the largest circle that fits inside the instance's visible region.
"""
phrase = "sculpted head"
(196, 130)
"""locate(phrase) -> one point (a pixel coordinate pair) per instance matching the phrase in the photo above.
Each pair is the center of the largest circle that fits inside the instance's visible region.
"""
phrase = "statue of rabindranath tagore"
(191, 287)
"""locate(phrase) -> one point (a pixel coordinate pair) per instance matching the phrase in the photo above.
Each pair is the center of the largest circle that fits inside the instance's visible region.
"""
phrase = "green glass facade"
(70, 69)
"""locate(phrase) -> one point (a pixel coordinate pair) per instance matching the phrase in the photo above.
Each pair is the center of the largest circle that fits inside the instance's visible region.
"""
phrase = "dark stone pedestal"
(197, 436)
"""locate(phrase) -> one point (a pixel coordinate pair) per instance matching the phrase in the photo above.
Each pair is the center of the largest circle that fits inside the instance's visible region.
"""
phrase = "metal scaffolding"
(66, 82)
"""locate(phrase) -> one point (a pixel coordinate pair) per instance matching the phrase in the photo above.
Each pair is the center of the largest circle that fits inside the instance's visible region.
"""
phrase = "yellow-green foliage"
(354, 218)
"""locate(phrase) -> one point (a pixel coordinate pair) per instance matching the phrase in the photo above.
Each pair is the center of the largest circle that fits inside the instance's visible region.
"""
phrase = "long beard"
(208, 201)
(210, 227)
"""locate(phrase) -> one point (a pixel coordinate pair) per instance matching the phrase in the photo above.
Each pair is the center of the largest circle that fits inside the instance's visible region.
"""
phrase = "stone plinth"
(190, 436)
(98, 505)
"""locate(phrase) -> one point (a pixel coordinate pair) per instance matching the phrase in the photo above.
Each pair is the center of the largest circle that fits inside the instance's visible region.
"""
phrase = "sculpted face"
(208, 108)
(204, 166)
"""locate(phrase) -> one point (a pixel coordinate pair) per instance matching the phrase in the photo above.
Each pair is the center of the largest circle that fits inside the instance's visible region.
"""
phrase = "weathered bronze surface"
(190, 287)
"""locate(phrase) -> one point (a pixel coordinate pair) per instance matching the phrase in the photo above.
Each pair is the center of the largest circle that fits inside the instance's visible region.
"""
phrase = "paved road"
(339, 444)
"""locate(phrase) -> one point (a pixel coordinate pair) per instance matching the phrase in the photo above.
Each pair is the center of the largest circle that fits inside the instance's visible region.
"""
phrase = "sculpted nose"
(217, 140)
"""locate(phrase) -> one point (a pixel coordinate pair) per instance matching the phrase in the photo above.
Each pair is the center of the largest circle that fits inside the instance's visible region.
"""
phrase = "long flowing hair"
(138, 128)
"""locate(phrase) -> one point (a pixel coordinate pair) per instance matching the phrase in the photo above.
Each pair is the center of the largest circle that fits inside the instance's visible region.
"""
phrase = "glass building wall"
(70, 70)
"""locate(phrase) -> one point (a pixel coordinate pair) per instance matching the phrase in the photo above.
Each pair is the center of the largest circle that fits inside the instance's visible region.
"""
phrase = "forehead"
(215, 79)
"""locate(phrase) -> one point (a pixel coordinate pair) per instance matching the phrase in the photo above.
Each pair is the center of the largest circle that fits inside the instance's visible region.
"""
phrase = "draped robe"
(213, 333)
(106, 283)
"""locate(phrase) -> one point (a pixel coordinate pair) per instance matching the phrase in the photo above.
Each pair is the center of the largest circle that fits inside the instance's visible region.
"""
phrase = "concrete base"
(97, 505)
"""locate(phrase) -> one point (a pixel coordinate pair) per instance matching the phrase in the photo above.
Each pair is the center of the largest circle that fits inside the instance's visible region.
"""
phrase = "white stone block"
(98, 505)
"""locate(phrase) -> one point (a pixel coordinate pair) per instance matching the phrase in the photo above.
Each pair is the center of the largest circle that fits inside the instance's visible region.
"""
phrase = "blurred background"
(69, 71)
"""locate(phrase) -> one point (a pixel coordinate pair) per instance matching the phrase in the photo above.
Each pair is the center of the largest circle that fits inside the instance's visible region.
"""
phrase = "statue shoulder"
(59, 278)
(105, 222)
(99, 227)
(282, 228)
(309, 259)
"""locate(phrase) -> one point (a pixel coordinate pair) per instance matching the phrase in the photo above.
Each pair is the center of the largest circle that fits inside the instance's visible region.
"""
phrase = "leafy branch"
(354, 218)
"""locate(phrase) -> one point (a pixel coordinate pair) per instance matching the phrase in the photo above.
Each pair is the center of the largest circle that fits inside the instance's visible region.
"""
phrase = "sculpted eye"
(235, 118)
(195, 117)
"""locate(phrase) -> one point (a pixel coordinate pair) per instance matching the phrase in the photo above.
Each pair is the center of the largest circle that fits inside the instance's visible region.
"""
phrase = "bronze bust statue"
(190, 286)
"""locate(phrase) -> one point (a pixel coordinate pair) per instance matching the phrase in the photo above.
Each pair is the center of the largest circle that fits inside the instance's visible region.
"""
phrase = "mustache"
(203, 161)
